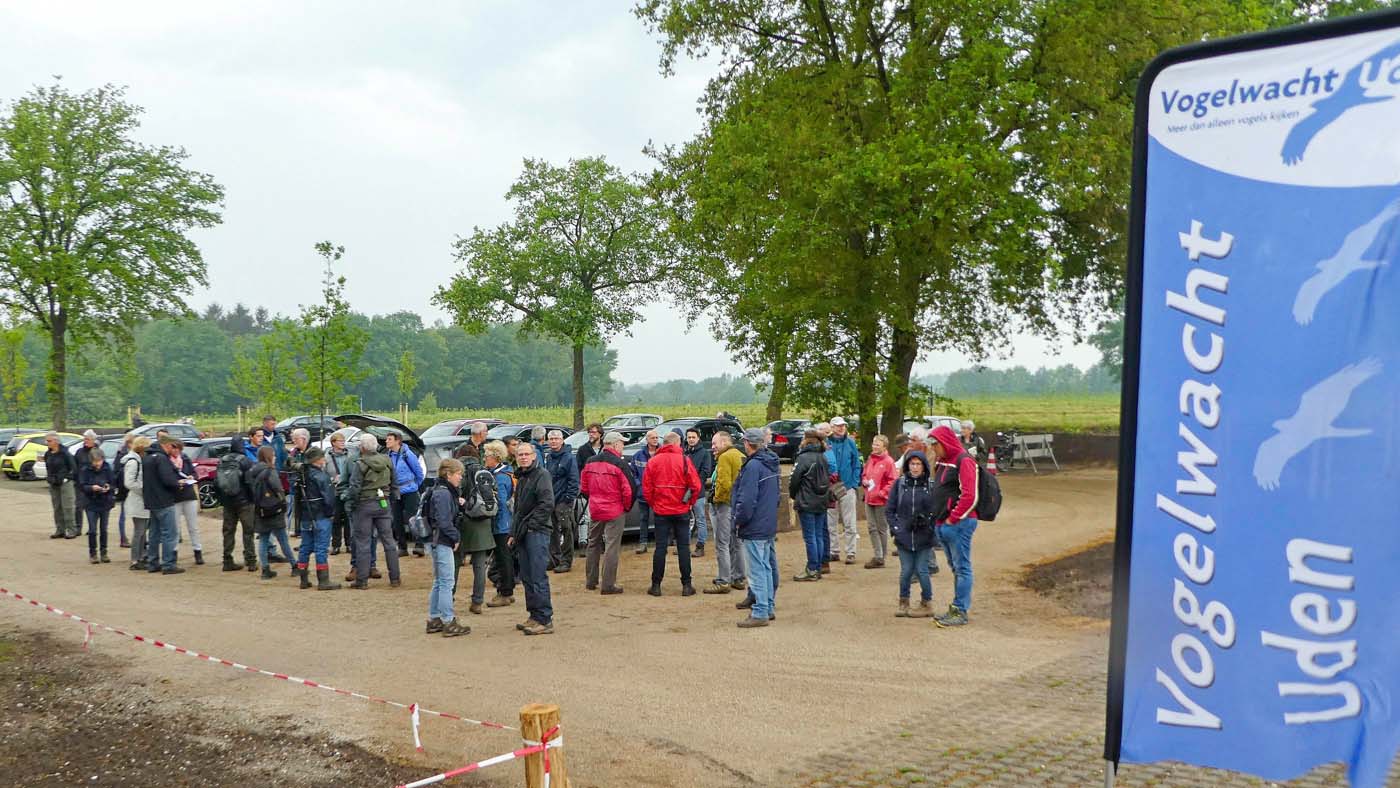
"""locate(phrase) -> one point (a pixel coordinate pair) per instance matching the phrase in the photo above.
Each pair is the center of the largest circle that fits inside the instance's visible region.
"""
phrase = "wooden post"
(535, 719)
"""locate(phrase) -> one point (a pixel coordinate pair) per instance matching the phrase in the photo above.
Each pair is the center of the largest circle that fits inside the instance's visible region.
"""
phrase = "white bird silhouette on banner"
(1368, 247)
(1320, 406)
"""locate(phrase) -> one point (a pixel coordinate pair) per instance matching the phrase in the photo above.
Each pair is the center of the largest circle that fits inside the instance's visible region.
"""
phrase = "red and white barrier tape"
(412, 708)
(550, 742)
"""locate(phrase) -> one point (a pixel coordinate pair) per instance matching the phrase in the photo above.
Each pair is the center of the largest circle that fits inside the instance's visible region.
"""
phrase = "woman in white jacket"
(135, 500)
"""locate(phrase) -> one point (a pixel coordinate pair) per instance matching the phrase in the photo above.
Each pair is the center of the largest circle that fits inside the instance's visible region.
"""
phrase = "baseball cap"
(838, 422)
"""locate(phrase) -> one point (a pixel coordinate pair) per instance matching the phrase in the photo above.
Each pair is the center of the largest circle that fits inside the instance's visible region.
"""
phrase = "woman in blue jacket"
(497, 461)
(911, 511)
(444, 506)
(409, 474)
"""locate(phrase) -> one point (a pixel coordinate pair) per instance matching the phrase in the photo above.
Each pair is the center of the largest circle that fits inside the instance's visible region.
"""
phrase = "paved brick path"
(1051, 735)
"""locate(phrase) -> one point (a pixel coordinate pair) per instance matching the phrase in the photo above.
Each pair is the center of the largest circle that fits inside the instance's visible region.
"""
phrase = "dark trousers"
(236, 514)
(79, 507)
(340, 527)
(503, 566)
(562, 537)
(643, 522)
(534, 557)
(97, 523)
(671, 528)
(369, 519)
(405, 507)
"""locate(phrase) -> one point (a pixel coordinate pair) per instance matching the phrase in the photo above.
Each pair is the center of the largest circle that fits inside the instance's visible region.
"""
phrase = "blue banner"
(1262, 628)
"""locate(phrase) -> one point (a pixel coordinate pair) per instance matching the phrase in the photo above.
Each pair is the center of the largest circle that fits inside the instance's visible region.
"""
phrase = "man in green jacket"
(367, 495)
(729, 552)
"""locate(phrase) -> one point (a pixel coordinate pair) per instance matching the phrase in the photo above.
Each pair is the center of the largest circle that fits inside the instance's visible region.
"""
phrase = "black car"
(522, 431)
(318, 427)
(787, 436)
(706, 426)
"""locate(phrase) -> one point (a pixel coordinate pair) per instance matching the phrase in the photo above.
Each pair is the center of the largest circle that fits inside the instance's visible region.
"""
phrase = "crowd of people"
(507, 510)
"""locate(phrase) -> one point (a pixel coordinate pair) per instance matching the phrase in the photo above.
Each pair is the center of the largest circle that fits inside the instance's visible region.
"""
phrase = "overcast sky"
(388, 128)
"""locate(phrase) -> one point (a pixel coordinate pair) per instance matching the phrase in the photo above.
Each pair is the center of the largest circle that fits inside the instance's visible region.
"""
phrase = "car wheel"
(208, 499)
(26, 472)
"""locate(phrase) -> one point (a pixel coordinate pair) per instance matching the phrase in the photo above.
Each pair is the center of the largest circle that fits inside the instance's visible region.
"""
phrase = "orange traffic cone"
(992, 462)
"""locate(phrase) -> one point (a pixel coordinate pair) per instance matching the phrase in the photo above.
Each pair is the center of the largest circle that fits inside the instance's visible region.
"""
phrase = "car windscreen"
(787, 425)
(502, 431)
(577, 440)
(666, 426)
(442, 428)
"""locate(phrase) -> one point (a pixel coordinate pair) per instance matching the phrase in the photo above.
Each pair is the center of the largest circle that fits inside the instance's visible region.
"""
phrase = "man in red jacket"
(671, 485)
(607, 483)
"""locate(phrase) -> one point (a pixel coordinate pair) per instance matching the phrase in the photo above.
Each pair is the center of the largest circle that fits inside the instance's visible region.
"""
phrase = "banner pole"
(1110, 771)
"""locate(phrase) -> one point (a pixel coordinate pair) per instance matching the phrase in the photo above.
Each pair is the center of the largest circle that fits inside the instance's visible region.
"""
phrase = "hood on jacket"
(928, 469)
(235, 444)
(951, 443)
(766, 458)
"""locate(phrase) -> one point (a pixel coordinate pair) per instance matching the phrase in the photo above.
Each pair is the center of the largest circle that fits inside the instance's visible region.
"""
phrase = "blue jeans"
(264, 539)
(315, 534)
(643, 522)
(121, 521)
(761, 561)
(534, 557)
(160, 543)
(444, 576)
(911, 563)
(814, 536)
(697, 510)
(957, 545)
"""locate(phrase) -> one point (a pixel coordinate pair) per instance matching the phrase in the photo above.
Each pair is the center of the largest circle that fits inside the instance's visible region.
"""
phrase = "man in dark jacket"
(238, 507)
(563, 474)
(62, 477)
(639, 462)
(82, 458)
(704, 461)
(756, 521)
(530, 533)
(161, 485)
(317, 502)
(371, 485)
(590, 449)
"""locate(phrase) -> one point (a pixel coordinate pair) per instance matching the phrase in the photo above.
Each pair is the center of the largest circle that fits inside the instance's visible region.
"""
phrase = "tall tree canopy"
(93, 225)
(884, 179)
(584, 239)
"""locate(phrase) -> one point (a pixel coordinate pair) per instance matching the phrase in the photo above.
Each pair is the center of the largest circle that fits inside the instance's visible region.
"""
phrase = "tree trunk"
(777, 393)
(904, 349)
(56, 383)
(578, 387)
(867, 380)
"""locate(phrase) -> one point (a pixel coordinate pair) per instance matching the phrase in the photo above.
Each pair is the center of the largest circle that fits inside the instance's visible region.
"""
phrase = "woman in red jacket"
(877, 479)
(955, 476)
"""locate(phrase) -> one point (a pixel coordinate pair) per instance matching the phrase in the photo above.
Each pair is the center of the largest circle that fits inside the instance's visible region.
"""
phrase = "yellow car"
(27, 449)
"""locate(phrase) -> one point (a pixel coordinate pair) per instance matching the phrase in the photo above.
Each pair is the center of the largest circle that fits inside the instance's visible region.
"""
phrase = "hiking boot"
(699, 551)
(687, 590)
(953, 618)
(718, 588)
(199, 558)
(747, 604)
(831, 559)
(563, 569)
(527, 622)
(177, 570)
(139, 566)
(252, 565)
(374, 574)
(125, 545)
(825, 568)
(475, 608)
(395, 582)
(875, 563)
(92, 558)
(359, 585)
(611, 591)
(453, 628)
(751, 622)
(655, 589)
(403, 552)
(739, 585)
(230, 566)
(434, 626)
(806, 576)
(924, 610)
(590, 587)
(641, 549)
(104, 559)
(323, 581)
(903, 611)
(268, 573)
(536, 628)
(850, 559)
(418, 551)
(60, 536)
(500, 601)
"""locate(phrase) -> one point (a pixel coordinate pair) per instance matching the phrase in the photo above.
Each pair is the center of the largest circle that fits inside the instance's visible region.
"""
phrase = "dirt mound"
(76, 719)
(1081, 581)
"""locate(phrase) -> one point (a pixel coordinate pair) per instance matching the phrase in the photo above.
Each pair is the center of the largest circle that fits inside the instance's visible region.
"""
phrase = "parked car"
(24, 453)
(931, 422)
(185, 432)
(206, 455)
(629, 435)
(438, 448)
(787, 436)
(349, 433)
(8, 433)
(632, 420)
(522, 431)
(379, 427)
(707, 426)
(456, 427)
(315, 425)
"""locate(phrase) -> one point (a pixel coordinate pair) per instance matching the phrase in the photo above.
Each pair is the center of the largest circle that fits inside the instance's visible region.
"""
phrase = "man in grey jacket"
(530, 536)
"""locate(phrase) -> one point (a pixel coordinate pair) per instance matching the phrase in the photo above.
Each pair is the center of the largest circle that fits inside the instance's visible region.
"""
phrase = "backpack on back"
(119, 476)
(420, 525)
(481, 495)
(228, 477)
(122, 490)
(988, 492)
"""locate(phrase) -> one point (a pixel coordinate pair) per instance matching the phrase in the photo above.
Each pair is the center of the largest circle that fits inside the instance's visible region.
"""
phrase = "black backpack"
(988, 492)
(119, 472)
(480, 494)
(269, 497)
(228, 477)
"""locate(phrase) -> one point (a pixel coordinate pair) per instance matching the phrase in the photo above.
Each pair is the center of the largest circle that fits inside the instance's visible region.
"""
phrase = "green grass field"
(1091, 413)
